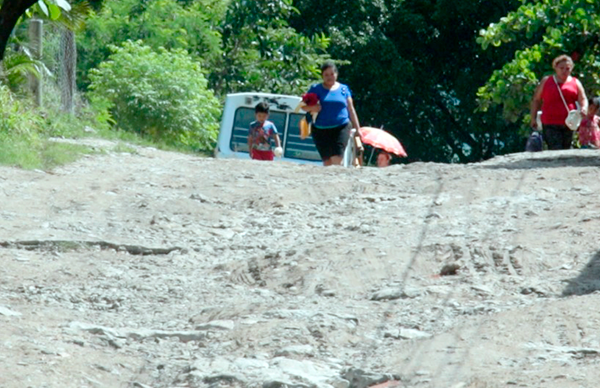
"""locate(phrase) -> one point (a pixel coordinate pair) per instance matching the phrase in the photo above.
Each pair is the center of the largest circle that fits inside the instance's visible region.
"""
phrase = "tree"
(262, 52)
(10, 12)
(243, 45)
(415, 67)
(535, 33)
(190, 25)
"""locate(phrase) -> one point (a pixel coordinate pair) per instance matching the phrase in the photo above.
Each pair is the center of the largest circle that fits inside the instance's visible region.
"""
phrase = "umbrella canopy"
(381, 139)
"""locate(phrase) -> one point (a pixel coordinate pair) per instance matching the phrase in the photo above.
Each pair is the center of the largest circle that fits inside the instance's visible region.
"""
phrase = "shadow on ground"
(588, 280)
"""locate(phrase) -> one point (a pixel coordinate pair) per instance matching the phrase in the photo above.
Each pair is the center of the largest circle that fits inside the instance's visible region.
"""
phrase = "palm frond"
(18, 66)
(74, 20)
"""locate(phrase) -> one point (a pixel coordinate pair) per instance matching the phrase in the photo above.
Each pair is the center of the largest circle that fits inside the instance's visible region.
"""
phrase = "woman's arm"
(353, 115)
(536, 102)
(312, 108)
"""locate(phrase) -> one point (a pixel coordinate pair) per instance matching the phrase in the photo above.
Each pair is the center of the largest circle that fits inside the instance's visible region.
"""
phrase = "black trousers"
(558, 137)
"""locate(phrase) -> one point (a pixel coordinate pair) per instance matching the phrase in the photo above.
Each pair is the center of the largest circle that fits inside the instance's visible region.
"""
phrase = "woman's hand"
(358, 141)
(536, 103)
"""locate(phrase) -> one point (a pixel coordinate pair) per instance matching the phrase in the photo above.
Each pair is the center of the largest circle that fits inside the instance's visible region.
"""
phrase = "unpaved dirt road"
(157, 269)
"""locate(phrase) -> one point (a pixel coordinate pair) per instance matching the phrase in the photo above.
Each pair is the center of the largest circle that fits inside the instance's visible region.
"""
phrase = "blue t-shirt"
(262, 133)
(334, 105)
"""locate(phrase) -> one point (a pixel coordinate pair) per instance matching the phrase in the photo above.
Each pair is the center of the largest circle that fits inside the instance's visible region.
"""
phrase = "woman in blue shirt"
(336, 116)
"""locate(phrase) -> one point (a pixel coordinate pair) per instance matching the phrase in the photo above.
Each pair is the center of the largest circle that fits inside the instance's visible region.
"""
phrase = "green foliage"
(60, 12)
(19, 150)
(23, 141)
(538, 32)
(263, 53)
(16, 67)
(17, 117)
(415, 68)
(74, 20)
(53, 8)
(49, 9)
(159, 23)
(162, 95)
(19, 60)
(37, 153)
(247, 45)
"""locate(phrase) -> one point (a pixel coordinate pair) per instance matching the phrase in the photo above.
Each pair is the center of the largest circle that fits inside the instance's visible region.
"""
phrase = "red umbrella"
(381, 139)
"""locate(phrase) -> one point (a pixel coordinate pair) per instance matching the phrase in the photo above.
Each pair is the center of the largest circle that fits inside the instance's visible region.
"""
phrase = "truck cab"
(238, 113)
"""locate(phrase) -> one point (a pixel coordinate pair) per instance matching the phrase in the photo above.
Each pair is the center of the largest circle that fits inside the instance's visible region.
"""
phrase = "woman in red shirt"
(554, 112)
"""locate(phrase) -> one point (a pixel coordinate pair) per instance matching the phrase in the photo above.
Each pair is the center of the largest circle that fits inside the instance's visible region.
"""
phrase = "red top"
(553, 107)
(589, 132)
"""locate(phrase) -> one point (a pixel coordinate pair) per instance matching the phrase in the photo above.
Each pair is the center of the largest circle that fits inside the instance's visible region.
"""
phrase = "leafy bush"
(15, 117)
(162, 95)
(23, 140)
(190, 25)
(264, 53)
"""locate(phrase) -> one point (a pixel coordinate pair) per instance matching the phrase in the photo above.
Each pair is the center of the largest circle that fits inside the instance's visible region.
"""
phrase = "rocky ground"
(157, 269)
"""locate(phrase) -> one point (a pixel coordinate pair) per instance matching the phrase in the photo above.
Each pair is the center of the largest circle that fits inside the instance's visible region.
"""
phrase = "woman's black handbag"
(535, 142)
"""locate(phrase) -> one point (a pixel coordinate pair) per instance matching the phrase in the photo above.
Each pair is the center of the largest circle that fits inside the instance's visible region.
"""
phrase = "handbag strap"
(561, 95)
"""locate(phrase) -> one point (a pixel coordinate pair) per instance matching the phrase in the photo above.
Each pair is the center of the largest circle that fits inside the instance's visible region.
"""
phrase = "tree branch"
(10, 12)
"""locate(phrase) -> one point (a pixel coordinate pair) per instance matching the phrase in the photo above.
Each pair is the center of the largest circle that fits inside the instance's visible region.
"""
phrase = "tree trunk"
(10, 12)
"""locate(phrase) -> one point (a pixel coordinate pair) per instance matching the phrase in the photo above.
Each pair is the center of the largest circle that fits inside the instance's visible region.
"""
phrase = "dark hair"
(329, 65)
(595, 101)
(261, 107)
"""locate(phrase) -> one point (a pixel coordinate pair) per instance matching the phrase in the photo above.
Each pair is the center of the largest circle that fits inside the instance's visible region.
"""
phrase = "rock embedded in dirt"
(450, 269)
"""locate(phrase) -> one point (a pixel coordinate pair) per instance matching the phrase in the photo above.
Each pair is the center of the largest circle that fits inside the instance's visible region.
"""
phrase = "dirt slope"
(156, 269)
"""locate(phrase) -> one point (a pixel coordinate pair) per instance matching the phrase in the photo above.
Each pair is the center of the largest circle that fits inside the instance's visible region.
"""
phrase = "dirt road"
(157, 269)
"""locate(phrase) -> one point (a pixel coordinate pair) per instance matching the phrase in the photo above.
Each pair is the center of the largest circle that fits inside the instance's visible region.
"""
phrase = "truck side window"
(295, 147)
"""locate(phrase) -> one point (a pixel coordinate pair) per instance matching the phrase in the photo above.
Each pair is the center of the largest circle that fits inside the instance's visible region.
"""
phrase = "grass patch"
(55, 154)
(32, 152)
(17, 151)
(26, 132)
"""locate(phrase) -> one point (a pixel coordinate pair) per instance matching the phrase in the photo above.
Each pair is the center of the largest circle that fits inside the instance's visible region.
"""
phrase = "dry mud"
(157, 269)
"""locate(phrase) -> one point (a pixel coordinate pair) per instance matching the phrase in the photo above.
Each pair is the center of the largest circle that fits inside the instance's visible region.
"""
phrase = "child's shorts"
(261, 155)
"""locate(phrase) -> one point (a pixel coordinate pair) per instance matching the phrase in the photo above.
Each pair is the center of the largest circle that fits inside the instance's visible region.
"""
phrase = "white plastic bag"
(573, 119)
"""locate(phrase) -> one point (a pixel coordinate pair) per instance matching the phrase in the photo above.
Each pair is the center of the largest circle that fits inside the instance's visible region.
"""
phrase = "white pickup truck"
(239, 113)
